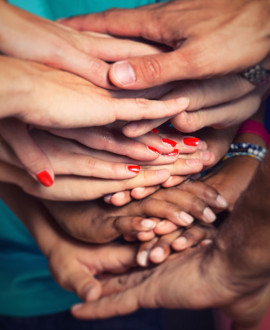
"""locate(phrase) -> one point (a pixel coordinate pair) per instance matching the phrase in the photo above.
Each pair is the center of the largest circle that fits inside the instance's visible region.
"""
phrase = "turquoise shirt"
(26, 287)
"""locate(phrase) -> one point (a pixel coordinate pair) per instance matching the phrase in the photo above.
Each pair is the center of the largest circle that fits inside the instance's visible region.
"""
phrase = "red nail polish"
(45, 178)
(192, 141)
(134, 168)
(155, 131)
(170, 142)
(154, 150)
(173, 153)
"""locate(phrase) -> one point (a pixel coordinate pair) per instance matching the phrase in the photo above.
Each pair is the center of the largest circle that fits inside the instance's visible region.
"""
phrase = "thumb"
(152, 70)
(84, 285)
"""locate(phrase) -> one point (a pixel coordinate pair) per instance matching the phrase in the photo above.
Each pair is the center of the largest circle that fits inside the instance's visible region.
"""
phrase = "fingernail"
(154, 130)
(120, 195)
(202, 145)
(191, 141)
(209, 215)
(193, 162)
(154, 150)
(108, 198)
(185, 218)
(206, 242)
(87, 290)
(77, 306)
(132, 127)
(180, 242)
(148, 224)
(142, 258)
(157, 253)
(175, 152)
(206, 156)
(161, 224)
(123, 73)
(45, 178)
(169, 142)
(134, 168)
(221, 201)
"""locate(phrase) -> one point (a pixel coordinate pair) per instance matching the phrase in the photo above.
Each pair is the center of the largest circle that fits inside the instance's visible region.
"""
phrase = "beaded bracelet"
(246, 149)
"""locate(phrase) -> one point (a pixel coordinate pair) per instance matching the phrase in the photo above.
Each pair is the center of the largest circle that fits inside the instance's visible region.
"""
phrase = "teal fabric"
(26, 287)
(65, 8)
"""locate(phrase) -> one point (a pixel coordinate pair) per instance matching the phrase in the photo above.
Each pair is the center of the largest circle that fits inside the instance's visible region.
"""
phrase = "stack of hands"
(86, 130)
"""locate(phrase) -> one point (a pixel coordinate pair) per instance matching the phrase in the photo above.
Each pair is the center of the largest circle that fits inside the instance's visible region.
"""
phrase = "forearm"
(244, 238)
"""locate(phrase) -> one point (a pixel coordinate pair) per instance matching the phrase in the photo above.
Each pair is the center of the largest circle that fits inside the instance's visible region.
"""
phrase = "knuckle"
(57, 53)
(106, 140)
(197, 205)
(91, 165)
(142, 104)
(149, 69)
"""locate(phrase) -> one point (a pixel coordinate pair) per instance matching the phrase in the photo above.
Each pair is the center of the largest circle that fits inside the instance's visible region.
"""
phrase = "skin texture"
(45, 96)
(85, 174)
(30, 37)
(232, 272)
(98, 223)
(206, 38)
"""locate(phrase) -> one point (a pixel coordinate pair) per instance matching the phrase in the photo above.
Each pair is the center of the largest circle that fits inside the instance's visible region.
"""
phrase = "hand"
(73, 264)
(67, 157)
(97, 222)
(62, 100)
(206, 39)
(109, 138)
(218, 102)
(180, 169)
(159, 248)
(192, 279)
(33, 38)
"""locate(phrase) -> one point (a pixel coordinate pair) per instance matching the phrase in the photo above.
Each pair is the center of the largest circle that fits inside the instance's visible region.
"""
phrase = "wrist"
(243, 239)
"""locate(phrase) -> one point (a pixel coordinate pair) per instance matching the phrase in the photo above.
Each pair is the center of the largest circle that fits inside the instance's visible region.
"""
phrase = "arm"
(232, 272)
(205, 39)
(73, 264)
(27, 36)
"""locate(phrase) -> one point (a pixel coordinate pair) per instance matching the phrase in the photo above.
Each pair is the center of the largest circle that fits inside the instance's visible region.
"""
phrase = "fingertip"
(92, 291)
(122, 74)
(157, 255)
(142, 258)
(45, 177)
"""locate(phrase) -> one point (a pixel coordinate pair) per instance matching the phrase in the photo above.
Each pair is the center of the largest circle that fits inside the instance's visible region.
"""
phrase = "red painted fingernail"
(192, 141)
(154, 150)
(45, 178)
(173, 153)
(134, 168)
(170, 142)
(155, 131)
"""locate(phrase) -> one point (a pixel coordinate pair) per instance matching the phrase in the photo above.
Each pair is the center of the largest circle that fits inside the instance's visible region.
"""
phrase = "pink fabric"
(252, 126)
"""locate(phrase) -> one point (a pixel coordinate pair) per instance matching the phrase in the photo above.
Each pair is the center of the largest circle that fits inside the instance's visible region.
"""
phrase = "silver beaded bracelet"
(246, 149)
